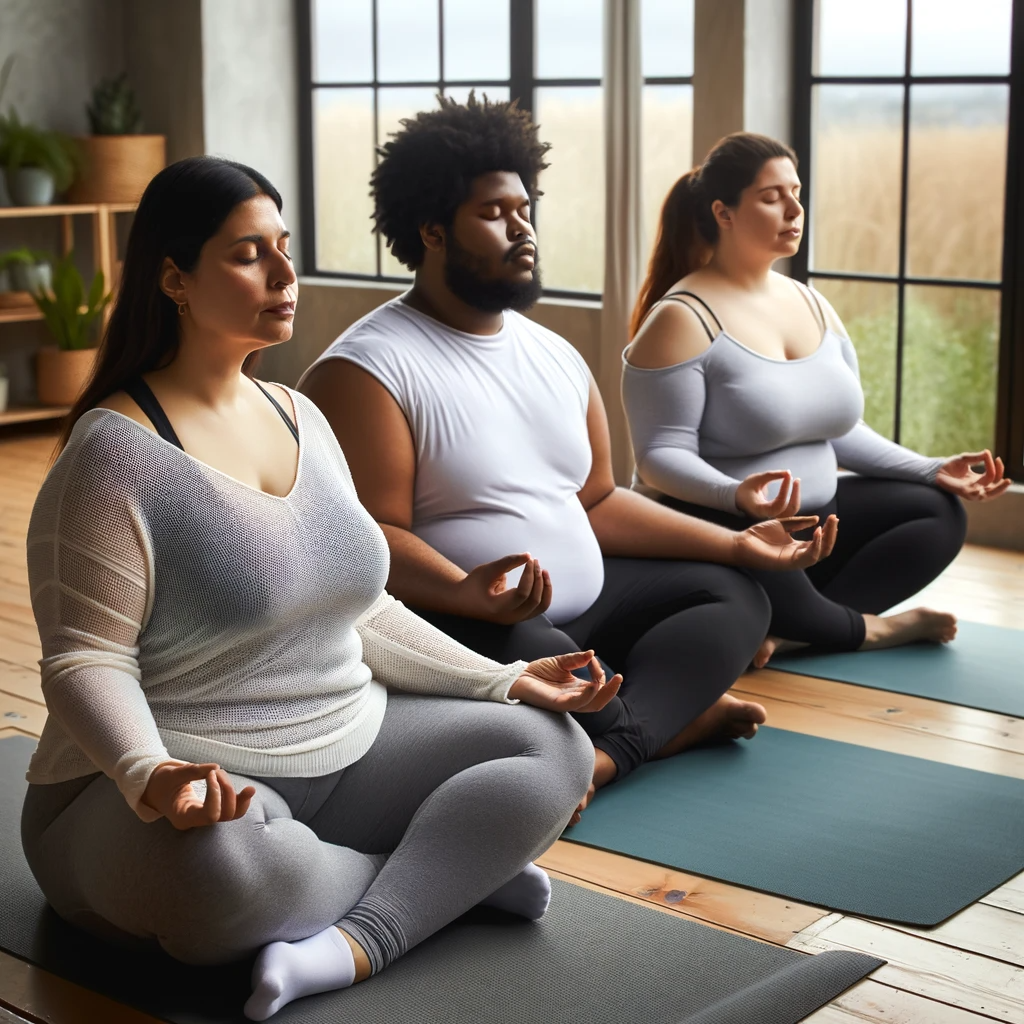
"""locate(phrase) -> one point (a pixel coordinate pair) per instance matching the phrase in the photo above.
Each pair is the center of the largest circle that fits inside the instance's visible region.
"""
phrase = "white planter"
(32, 277)
(31, 186)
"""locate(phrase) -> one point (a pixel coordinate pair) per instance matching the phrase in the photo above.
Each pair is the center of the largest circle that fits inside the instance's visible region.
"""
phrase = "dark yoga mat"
(831, 824)
(982, 668)
(593, 959)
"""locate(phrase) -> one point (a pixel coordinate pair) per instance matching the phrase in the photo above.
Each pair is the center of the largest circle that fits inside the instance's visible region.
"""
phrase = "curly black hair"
(427, 169)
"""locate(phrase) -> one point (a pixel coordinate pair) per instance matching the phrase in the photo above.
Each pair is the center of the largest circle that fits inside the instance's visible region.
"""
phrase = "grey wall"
(63, 48)
(250, 91)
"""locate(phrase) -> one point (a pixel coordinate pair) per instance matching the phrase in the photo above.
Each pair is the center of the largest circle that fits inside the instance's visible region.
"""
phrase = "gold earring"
(182, 306)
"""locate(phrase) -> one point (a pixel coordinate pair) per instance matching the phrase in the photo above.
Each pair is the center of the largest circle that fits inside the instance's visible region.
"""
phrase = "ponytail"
(687, 229)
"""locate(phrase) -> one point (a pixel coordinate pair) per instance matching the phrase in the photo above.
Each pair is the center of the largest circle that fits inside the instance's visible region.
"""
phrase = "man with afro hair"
(478, 441)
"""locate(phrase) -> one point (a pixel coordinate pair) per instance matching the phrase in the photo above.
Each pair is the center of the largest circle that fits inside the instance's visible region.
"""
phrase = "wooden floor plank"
(980, 928)
(870, 1001)
(832, 724)
(740, 910)
(880, 707)
(20, 681)
(21, 714)
(952, 976)
(51, 1000)
(1009, 896)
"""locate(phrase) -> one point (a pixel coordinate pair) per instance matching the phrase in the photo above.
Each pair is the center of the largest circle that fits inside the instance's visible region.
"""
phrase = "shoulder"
(562, 350)
(811, 294)
(121, 402)
(672, 333)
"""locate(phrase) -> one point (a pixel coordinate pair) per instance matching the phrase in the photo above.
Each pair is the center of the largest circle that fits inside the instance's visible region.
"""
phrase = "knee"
(951, 513)
(748, 604)
(565, 748)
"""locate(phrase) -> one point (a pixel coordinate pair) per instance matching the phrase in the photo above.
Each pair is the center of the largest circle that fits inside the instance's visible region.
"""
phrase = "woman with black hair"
(223, 769)
(742, 393)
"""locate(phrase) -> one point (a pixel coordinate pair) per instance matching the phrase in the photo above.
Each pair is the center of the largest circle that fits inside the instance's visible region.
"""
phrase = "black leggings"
(679, 632)
(894, 538)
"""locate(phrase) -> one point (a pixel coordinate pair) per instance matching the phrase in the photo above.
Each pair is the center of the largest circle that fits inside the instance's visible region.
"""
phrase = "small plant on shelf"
(68, 309)
(118, 158)
(38, 163)
(114, 109)
(26, 270)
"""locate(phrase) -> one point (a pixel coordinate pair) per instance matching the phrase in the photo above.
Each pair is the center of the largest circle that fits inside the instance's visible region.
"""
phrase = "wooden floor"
(968, 970)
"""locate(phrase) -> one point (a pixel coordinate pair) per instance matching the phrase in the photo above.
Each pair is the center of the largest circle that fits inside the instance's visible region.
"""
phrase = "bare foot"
(774, 645)
(919, 624)
(726, 719)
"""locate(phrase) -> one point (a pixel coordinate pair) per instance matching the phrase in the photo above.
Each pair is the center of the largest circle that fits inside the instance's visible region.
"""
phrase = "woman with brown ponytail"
(743, 397)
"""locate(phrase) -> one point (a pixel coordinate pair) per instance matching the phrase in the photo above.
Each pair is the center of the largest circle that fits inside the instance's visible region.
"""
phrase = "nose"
(284, 272)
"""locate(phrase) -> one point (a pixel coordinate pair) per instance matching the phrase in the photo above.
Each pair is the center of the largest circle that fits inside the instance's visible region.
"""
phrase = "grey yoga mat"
(982, 668)
(593, 960)
(831, 824)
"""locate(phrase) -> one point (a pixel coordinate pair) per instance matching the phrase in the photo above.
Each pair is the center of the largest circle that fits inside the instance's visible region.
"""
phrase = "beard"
(464, 274)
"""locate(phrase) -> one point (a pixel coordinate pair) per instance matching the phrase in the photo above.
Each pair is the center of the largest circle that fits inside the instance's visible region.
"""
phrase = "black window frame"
(1009, 425)
(521, 83)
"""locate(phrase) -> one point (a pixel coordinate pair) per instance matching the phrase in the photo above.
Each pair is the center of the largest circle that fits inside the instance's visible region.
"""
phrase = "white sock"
(528, 894)
(289, 970)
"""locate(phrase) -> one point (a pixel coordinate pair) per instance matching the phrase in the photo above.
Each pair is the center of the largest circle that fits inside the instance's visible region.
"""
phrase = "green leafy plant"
(114, 109)
(70, 312)
(24, 145)
(22, 256)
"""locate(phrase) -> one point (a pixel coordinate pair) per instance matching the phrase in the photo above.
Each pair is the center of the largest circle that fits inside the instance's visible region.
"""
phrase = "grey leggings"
(453, 799)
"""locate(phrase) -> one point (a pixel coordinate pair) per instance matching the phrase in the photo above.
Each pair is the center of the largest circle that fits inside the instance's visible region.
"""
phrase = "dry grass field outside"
(954, 230)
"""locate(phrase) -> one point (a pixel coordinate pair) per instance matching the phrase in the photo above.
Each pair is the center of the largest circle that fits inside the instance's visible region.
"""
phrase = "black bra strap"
(694, 310)
(277, 405)
(144, 398)
(692, 295)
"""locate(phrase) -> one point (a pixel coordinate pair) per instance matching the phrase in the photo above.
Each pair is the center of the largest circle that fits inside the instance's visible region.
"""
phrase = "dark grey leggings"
(679, 632)
(894, 538)
(453, 799)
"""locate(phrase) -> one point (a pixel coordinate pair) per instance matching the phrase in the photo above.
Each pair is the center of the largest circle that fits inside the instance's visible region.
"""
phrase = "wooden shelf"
(18, 315)
(29, 413)
(64, 209)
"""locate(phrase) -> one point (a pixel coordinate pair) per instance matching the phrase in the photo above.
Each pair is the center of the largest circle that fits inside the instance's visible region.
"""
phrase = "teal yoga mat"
(982, 668)
(832, 824)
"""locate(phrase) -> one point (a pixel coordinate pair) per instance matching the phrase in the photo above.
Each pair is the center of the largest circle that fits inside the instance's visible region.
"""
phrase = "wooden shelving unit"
(104, 248)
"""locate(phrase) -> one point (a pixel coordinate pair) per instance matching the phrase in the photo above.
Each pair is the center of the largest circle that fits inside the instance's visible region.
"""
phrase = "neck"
(206, 369)
(748, 272)
(430, 295)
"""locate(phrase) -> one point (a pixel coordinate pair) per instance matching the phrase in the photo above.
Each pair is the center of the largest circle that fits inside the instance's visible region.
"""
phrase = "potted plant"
(64, 368)
(118, 160)
(38, 163)
(23, 272)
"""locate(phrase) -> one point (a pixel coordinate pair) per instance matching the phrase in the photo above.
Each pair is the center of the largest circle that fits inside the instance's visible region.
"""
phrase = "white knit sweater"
(185, 615)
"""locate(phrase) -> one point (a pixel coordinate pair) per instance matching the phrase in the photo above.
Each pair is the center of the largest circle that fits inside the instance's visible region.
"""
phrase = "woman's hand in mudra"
(170, 792)
(752, 495)
(958, 476)
(548, 683)
(770, 545)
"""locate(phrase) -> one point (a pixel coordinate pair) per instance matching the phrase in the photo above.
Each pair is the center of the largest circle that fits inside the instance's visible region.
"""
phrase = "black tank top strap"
(677, 296)
(143, 396)
(277, 405)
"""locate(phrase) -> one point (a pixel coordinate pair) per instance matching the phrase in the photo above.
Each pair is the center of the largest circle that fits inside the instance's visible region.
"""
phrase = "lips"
(284, 309)
(523, 252)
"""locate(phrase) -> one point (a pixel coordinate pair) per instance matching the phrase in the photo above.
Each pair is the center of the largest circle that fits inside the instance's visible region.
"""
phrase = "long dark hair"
(182, 208)
(687, 228)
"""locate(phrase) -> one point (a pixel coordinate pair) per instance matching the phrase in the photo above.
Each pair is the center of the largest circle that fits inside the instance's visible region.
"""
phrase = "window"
(369, 63)
(902, 123)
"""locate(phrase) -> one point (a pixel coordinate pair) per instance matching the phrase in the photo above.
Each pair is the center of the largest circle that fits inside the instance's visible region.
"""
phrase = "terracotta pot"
(61, 375)
(117, 168)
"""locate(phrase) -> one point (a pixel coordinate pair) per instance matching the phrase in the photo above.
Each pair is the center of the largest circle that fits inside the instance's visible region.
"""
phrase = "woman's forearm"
(420, 575)
(628, 525)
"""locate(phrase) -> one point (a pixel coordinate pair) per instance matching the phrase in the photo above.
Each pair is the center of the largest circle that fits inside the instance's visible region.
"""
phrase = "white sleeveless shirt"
(499, 424)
